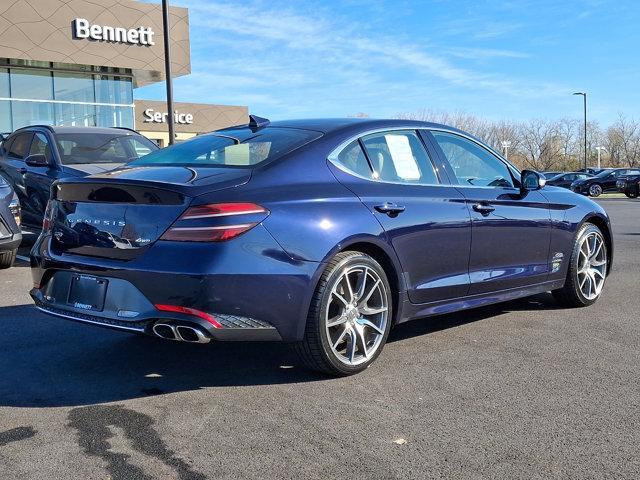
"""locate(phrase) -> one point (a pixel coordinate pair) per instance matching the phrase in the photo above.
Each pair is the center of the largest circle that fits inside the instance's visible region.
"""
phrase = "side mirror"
(37, 160)
(531, 180)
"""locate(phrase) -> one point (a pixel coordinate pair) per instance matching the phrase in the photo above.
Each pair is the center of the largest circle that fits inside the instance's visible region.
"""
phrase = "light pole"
(600, 149)
(167, 70)
(505, 147)
(584, 97)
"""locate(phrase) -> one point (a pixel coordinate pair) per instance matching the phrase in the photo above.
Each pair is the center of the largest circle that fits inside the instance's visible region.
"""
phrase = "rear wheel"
(595, 190)
(587, 269)
(7, 259)
(350, 316)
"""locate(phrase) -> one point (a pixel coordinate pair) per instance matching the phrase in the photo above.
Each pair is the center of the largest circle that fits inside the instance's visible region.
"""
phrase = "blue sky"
(498, 59)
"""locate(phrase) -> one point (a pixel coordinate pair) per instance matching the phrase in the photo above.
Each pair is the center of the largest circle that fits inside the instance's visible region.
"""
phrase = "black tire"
(631, 195)
(7, 259)
(314, 350)
(571, 295)
(595, 190)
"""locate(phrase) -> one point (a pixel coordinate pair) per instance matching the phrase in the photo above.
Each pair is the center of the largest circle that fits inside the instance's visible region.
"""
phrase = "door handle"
(483, 208)
(390, 209)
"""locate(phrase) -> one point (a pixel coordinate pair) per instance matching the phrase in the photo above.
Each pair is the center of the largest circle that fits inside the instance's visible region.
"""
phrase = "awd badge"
(556, 263)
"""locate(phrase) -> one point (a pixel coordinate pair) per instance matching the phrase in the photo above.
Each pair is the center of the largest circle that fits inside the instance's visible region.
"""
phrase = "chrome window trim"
(333, 156)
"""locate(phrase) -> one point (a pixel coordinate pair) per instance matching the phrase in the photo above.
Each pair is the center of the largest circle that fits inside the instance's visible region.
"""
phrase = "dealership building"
(78, 62)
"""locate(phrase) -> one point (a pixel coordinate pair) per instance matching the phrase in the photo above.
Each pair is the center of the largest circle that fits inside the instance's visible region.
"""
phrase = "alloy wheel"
(592, 265)
(595, 190)
(356, 315)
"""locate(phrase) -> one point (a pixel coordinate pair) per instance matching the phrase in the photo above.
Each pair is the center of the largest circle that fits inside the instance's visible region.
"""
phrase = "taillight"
(185, 230)
(47, 221)
(14, 206)
(221, 210)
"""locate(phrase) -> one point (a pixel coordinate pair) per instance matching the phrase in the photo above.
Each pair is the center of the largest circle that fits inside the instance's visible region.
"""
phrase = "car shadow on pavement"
(50, 362)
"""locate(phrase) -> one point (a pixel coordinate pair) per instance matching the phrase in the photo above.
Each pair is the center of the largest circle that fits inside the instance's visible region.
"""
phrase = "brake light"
(47, 221)
(187, 232)
(190, 311)
(14, 206)
(221, 210)
(206, 234)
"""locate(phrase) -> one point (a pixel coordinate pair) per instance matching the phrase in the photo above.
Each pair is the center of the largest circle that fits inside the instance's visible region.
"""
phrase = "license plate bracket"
(87, 292)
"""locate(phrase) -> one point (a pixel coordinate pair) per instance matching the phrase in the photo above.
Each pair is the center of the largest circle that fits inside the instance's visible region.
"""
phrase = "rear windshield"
(235, 148)
(83, 148)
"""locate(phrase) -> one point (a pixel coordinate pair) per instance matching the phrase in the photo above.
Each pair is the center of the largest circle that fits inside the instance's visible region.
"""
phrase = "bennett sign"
(82, 28)
(151, 116)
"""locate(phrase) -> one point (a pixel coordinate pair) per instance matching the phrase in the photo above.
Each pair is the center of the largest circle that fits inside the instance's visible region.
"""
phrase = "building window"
(31, 84)
(50, 96)
(74, 87)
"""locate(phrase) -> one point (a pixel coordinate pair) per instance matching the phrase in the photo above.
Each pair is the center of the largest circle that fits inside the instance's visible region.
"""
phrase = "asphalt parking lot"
(521, 390)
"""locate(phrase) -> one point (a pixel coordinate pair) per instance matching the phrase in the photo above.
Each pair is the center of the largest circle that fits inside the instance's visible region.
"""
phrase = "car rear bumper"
(249, 286)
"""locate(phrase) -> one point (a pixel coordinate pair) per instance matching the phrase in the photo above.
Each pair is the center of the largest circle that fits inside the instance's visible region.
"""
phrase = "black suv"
(32, 158)
(629, 185)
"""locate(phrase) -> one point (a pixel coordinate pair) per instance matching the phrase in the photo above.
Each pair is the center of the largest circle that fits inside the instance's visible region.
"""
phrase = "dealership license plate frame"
(87, 292)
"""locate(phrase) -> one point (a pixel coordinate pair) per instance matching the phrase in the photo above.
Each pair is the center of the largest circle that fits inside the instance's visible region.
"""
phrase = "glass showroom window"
(114, 89)
(5, 106)
(39, 95)
(31, 84)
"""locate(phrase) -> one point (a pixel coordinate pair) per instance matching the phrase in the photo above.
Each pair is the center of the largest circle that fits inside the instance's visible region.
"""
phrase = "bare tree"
(543, 144)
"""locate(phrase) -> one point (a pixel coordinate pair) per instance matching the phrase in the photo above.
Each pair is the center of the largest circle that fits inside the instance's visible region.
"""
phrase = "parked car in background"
(629, 185)
(592, 171)
(604, 182)
(324, 233)
(32, 158)
(10, 236)
(566, 179)
(551, 174)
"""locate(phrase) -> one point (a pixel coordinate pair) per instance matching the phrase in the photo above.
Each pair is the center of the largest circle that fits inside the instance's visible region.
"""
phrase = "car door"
(567, 180)
(425, 219)
(38, 179)
(511, 228)
(14, 153)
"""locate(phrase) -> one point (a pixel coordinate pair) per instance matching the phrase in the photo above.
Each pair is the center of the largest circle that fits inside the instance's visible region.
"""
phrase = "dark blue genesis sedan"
(322, 233)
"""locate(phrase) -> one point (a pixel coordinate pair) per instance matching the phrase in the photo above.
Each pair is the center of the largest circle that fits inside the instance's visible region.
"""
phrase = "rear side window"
(20, 146)
(352, 159)
(400, 157)
(83, 148)
(473, 164)
(234, 148)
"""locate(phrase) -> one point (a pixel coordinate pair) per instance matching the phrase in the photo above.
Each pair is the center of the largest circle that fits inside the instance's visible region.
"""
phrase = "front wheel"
(350, 316)
(595, 190)
(587, 269)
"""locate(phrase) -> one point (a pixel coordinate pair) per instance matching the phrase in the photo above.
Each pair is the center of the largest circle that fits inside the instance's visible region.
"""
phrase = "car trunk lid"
(121, 214)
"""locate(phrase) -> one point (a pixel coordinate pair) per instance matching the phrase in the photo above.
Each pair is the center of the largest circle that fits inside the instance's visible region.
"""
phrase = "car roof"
(80, 130)
(334, 125)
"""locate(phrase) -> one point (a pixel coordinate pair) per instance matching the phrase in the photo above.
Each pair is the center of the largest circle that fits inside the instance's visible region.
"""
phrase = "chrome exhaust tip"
(191, 334)
(168, 332)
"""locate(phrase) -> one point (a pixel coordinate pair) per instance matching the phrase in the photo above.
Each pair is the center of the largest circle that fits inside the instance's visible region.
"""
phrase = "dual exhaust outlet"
(180, 333)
